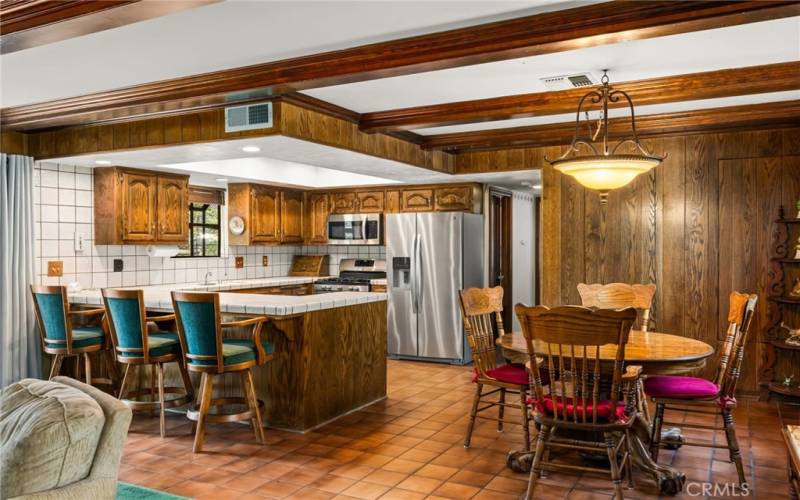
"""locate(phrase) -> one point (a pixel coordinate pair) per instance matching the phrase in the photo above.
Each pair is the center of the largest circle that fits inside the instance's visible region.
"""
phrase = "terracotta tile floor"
(410, 446)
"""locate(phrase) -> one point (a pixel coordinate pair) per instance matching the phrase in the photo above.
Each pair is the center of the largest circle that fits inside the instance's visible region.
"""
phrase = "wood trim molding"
(30, 23)
(774, 114)
(689, 87)
(550, 32)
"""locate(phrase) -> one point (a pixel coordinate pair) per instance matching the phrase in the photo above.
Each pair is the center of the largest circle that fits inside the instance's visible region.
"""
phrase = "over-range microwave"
(355, 229)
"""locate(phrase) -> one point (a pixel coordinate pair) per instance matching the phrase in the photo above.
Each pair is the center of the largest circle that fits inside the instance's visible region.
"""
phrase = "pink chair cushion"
(510, 374)
(548, 406)
(671, 387)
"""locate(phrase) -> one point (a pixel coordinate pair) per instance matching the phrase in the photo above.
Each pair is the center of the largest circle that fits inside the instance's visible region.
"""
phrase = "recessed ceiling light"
(221, 179)
(251, 149)
(102, 162)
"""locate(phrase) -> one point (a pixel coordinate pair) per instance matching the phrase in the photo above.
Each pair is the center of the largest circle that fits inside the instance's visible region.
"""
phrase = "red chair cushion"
(510, 374)
(548, 406)
(672, 387)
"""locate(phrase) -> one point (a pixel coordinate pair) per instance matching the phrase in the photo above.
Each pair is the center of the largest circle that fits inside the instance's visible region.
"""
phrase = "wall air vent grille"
(566, 82)
(250, 117)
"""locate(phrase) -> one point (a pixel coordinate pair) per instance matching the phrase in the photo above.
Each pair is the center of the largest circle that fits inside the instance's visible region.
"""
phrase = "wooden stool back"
(480, 307)
(619, 296)
(572, 337)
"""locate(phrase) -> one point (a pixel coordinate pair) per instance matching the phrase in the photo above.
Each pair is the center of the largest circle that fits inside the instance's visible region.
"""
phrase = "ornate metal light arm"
(604, 170)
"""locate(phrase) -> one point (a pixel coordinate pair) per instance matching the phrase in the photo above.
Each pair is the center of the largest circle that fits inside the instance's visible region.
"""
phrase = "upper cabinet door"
(318, 210)
(291, 216)
(173, 209)
(343, 203)
(456, 198)
(416, 200)
(265, 214)
(370, 202)
(138, 206)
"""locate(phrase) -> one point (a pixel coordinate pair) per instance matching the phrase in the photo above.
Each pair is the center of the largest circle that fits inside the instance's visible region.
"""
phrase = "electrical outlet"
(118, 265)
(55, 268)
(265, 260)
(239, 262)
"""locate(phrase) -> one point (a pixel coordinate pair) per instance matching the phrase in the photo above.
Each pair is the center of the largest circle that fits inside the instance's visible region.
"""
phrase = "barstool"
(135, 347)
(200, 328)
(61, 339)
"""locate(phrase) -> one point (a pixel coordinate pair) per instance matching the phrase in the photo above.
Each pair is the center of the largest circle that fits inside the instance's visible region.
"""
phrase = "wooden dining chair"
(710, 397)
(135, 346)
(569, 339)
(481, 310)
(620, 296)
(200, 330)
(62, 339)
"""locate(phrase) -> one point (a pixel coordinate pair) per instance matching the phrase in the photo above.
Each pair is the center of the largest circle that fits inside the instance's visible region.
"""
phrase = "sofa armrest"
(115, 431)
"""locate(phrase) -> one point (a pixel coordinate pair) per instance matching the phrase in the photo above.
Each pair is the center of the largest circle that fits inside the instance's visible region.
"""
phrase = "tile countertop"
(158, 297)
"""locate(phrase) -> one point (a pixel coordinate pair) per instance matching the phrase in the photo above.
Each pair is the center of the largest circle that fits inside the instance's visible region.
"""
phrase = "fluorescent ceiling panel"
(278, 172)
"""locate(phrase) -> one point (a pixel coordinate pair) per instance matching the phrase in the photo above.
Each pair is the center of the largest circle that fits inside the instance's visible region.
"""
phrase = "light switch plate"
(55, 268)
(239, 262)
(265, 260)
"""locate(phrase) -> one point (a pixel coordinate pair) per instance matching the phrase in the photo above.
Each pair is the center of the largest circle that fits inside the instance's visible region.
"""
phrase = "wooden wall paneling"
(670, 216)
(14, 143)
(790, 142)
(595, 232)
(572, 248)
(551, 237)
(701, 318)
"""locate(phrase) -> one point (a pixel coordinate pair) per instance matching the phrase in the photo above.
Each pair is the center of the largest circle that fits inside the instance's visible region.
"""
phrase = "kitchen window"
(204, 231)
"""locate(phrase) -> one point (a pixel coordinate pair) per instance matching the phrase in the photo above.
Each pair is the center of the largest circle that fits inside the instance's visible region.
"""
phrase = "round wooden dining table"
(658, 354)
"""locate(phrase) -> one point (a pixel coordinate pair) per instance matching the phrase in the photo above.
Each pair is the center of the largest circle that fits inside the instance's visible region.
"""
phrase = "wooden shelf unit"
(782, 307)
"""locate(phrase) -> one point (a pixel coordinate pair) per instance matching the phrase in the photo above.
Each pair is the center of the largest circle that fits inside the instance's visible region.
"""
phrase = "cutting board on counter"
(309, 265)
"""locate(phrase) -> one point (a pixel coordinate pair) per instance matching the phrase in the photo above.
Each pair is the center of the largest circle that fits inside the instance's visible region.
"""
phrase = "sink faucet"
(209, 274)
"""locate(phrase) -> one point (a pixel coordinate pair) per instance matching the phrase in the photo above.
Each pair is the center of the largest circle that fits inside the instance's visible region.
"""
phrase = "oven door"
(354, 229)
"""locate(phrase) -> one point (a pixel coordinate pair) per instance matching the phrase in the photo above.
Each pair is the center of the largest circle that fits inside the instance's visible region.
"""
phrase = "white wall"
(63, 204)
(523, 229)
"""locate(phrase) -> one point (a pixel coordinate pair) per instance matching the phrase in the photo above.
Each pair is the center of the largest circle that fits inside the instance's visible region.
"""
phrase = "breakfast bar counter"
(329, 350)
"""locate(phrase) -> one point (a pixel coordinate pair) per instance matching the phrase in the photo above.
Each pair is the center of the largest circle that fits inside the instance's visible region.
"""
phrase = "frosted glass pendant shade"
(604, 173)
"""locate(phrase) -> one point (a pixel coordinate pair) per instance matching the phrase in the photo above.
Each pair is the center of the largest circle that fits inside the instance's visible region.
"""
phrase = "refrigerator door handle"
(418, 290)
(414, 268)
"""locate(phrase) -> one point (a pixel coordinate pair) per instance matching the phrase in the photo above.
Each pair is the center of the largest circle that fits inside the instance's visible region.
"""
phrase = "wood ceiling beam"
(690, 87)
(785, 113)
(550, 32)
(30, 23)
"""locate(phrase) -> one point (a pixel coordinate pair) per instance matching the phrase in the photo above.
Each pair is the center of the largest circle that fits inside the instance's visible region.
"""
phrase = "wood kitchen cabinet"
(454, 198)
(270, 214)
(317, 218)
(343, 203)
(140, 207)
(358, 202)
(416, 200)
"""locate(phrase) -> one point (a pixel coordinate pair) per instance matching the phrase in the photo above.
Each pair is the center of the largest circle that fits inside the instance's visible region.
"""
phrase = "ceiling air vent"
(566, 82)
(250, 117)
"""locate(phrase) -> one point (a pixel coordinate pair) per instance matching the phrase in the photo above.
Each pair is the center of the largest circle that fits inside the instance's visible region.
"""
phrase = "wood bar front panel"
(698, 226)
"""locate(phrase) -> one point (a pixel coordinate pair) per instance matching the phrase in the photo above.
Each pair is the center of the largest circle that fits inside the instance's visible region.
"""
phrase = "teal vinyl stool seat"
(62, 339)
(136, 348)
(200, 328)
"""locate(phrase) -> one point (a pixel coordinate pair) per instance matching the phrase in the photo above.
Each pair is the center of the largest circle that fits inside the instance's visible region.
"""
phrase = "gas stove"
(354, 276)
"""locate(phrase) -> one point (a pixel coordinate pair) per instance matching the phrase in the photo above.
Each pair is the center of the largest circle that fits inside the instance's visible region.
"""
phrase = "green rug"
(127, 491)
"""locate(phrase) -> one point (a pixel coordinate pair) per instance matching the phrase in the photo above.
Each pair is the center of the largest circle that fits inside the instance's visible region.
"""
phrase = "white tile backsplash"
(63, 205)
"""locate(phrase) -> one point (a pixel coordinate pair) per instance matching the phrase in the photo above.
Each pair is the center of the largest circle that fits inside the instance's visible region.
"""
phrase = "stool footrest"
(136, 405)
(194, 414)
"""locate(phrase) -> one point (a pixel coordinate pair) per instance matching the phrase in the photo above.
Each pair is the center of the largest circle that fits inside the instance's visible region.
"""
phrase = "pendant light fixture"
(605, 169)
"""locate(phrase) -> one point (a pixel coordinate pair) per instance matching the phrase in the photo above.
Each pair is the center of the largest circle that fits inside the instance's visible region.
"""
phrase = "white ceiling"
(232, 34)
(739, 46)
(285, 161)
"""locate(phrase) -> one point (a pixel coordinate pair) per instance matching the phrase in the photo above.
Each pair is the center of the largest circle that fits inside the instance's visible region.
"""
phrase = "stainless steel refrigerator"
(431, 256)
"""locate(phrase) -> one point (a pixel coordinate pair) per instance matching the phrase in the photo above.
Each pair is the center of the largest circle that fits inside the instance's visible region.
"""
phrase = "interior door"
(500, 272)
(173, 209)
(440, 275)
(400, 235)
(139, 206)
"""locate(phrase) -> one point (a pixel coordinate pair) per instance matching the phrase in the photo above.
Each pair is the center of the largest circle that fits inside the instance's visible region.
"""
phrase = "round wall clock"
(236, 225)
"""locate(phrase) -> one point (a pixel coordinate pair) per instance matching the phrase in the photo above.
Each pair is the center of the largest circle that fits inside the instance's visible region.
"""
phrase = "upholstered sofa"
(60, 439)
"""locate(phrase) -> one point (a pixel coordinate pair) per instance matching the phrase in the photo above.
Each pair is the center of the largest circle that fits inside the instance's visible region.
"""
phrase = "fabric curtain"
(21, 350)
